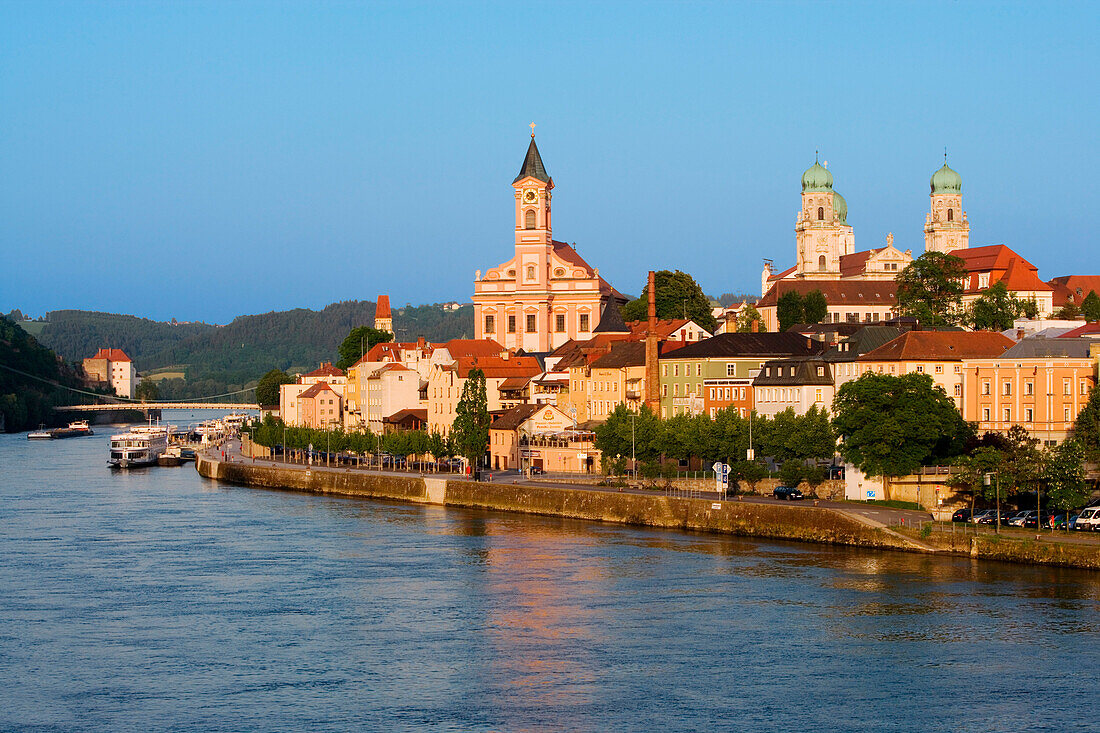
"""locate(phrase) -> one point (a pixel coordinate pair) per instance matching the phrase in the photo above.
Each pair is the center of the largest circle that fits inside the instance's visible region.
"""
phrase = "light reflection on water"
(157, 600)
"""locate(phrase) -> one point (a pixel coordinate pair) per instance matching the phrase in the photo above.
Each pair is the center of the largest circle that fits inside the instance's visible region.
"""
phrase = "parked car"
(961, 515)
(989, 516)
(1036, 519)
(787, 492)
(1058, 521)
(1009, 515)
(1020, 518)
(1088, 519)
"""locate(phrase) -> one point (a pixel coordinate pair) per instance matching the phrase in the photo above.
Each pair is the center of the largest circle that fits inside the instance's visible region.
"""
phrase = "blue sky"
(202, 161)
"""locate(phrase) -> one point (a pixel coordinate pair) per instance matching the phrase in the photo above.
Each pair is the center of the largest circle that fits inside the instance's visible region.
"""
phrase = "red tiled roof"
(496, 367)
(393, 350)
(837, 292)
(326, 370)
(781, 275)
(856, 262)
(941, 346)
(1066, 288)
(665, 328)
(315, 390)
(394, 367)
(1089, 329)
(111, 355)
(382, 307)
(989, 257)
(567, 253)
(1022, 276)
(472, 347)
(400, 415)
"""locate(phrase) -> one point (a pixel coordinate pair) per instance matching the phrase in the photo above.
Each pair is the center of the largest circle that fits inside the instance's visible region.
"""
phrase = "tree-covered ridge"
(218, 359)
(26, 401)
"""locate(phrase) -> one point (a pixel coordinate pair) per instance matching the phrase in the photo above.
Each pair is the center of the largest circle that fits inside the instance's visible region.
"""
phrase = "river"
(156, 600)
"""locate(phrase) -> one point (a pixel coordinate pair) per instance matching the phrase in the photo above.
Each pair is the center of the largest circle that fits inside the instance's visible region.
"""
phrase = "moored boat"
(141, 446)
(40, 434)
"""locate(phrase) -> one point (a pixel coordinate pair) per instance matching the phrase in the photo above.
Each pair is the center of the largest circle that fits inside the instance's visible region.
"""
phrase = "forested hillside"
(208, 359)
(25, 399)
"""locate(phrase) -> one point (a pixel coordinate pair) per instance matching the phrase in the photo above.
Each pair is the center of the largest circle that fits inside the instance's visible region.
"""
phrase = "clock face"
(530, 195)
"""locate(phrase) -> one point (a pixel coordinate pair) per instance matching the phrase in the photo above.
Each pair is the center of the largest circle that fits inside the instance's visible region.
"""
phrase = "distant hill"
(219, 359)
(29, 374)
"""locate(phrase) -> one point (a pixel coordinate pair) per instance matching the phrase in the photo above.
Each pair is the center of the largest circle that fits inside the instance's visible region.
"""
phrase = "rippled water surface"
(156, 600)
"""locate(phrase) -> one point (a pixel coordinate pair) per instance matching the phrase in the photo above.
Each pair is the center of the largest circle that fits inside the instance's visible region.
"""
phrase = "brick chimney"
(652, 373)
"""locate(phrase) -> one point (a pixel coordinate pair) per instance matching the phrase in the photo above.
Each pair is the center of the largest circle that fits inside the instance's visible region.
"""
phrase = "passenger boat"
(40, 434)
(76, 429)
(141, 446)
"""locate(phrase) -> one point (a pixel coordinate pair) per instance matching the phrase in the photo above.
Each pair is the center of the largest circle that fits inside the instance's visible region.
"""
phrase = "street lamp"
(633, 460)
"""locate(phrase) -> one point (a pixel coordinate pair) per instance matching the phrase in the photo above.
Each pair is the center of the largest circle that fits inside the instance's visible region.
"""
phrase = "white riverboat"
(141, 446)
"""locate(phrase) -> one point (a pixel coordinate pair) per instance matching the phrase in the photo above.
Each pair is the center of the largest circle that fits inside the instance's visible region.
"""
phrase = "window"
(511, 324)
(985, 414)
(559, 322)
(958, 369)
(530, 218)
(699, 370)
(986, 387)
(1029, 387)
(698, 388)
(1065, 415)
(820, 373)
(664, 390)
(676, 389)
(675, 370)
(958, 390)
(664, 370)
(1065, 386)
(731, 369)
(584, 322)
(530, 272)
(712, 393)
(490, 324)
(821, 213)
(951, 215)
(1008, 414)
(920, 369)
(1028, 414)
(821, 263)
(939, 369)
(1084, 387)
(818, 396)
(1006, 389)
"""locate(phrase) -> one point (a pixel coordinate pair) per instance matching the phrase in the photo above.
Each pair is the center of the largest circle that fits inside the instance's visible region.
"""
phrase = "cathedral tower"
(821, 227)
(946, 228)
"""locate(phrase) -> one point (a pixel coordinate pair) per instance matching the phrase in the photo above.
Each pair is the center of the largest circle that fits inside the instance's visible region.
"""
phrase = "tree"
(972, 470)
(814, 306)
(1090, 306)
(748, 315)
(614, 436)
(267, 389)
(890, 426)
(470, 431)
(1086, 429)
(996, 309)
(677, 296)
(1068, 312)
(930, 289)
(359, 341)
(1064, 476)
(147, 391)
(750, 472)
(790, 309)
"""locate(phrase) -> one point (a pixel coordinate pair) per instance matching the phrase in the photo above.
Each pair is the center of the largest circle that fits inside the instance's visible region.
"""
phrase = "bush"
(791, 473)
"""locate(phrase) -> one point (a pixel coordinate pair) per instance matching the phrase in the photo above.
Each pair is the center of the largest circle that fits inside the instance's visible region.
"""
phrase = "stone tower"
(946, 228)
(821, 228)
(383, 321)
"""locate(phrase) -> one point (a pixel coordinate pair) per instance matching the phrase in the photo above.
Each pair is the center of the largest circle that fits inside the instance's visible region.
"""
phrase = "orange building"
(1039, 384)
(721, 393)
(321, 406)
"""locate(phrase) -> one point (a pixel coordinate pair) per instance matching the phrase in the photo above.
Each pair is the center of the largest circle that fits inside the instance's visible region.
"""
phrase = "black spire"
(611, 321)
(532, 165)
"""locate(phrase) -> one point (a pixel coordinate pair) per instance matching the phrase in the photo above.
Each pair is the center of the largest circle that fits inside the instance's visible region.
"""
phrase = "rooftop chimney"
(652, 302)
(652, 376)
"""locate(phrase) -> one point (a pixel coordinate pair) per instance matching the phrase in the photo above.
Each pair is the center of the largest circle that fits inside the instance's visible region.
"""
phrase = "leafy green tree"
(890, 426)
(358, 342)
(147, 391)
(930, 289)
(613, 436)
(267, 389)
(747, 316)
(996, 309)
(1086, 429)
(1068, 312)
(677, 295)
(750, 472)
(1064, 476)
(1090, 306)
(814, 306)
(470, 430)
(1021, 463)
(972, 468)
(792, 472)
(790, 310)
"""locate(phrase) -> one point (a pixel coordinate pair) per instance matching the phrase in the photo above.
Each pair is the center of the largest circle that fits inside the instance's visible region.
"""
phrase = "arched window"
(821, 213)
(821, 263)
(530, 218)
(951, 215)
(530, 272)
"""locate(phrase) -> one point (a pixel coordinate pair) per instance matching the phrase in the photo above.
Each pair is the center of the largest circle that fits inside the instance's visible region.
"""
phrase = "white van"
(1089, 519)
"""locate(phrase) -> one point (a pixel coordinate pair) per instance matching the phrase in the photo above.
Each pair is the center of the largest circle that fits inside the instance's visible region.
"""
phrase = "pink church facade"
(546, 293)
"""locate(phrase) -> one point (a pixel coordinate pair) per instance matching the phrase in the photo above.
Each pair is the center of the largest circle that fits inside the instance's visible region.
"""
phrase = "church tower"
(534, 234)
(946, 228)
(821, 227)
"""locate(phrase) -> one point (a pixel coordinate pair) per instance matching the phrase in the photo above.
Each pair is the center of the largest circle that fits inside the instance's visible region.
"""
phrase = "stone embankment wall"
(791, 522)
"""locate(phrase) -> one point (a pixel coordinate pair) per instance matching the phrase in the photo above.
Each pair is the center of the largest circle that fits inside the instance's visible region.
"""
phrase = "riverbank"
(801, 522)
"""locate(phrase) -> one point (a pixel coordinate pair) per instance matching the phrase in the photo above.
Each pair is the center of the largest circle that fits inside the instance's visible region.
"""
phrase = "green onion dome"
(840, 208)
(946, 180)
(816, 178)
